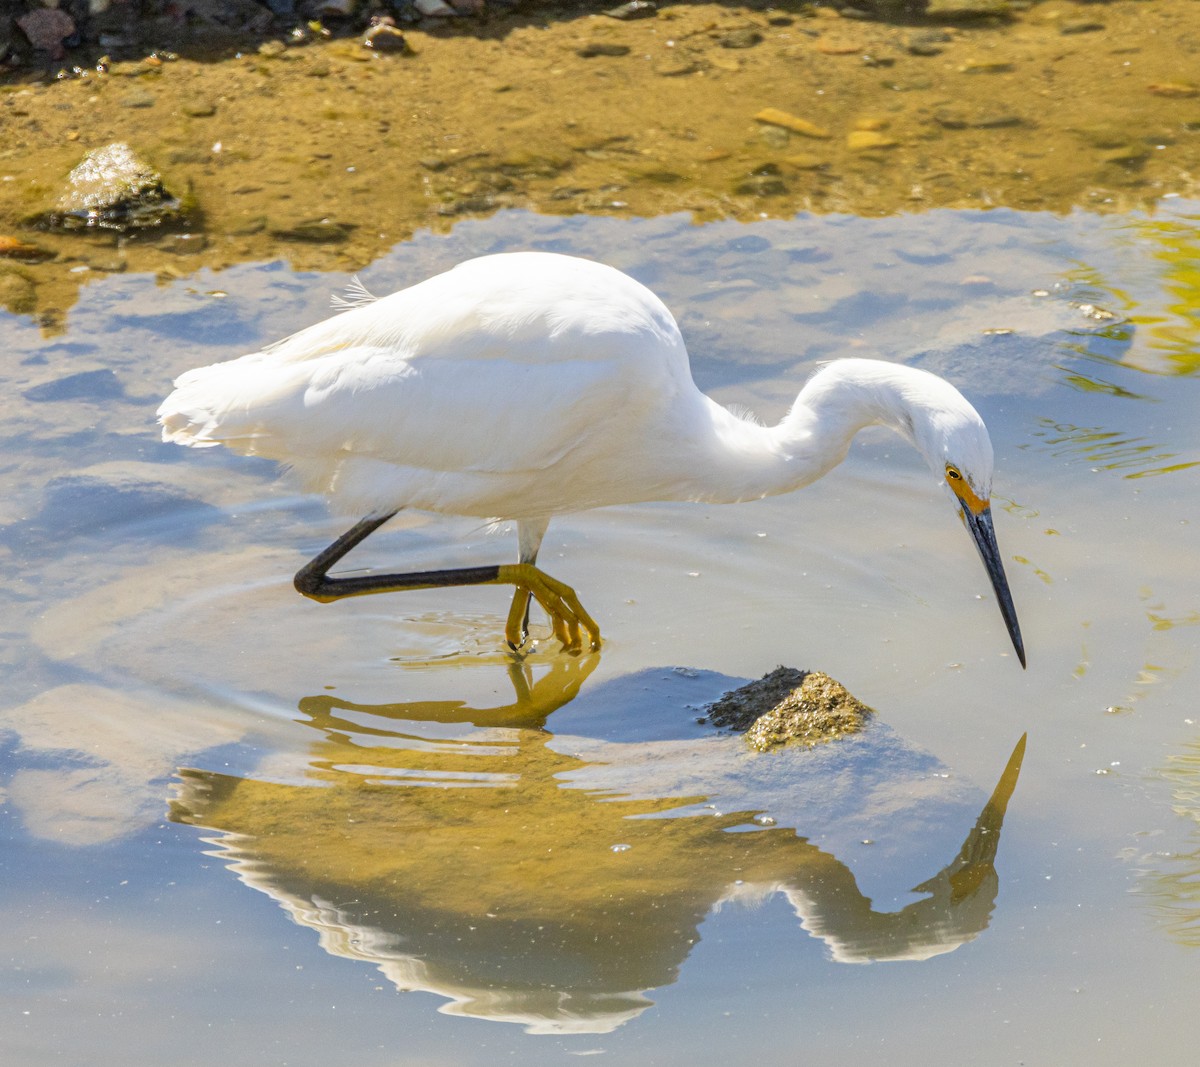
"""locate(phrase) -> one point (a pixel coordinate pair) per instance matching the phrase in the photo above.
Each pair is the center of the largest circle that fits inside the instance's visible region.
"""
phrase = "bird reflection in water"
(455, 849)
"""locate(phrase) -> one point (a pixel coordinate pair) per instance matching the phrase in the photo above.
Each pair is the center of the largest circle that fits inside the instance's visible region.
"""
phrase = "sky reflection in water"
(453, 824)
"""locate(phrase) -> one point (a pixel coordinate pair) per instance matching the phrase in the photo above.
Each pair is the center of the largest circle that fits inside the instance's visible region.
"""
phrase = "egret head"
(954, 441)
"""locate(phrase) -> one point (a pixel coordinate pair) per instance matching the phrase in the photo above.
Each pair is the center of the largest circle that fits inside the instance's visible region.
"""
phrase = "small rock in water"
(997, 120)
(383, 36)
(966, 9)
(805, 161)
(790, 705)
(953, 119)
(635, 9)
(774, 117)
(761, 185)
(602, 48)
(1072, 26)
(184, 244)
(986, 66)
(927, 43)
(23, 252)
(199, 108)
(839, 48)
(746, 38)
(865, 140)
(139, 98)
(113, 189)
(315, 231)
(1181, 90)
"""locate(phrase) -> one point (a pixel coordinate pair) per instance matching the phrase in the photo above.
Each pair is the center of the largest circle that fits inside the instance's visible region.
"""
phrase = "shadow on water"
(512, 878)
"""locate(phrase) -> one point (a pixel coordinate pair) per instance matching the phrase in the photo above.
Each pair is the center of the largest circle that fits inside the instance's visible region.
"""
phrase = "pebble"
(106, 262)
(199, 109)
(865, 140)
(839, 48)
(1182, 90)
(602, 48)
(775, 136)
(635, 9)
(805, 161)
(927, 43)
(677, 67)
(137, 99)
(744, 38)
(184, 244)
(997, 120)
(315, 231)
(966, 9)
(774, 117)
(383, 37)
(272, 49)
(986, 67)
(1081, 26)
(761, 185)
(470, 204)
(953, 119)
(22, 251)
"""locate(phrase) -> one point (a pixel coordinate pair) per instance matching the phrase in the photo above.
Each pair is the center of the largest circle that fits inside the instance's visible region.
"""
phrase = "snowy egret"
(528, 384)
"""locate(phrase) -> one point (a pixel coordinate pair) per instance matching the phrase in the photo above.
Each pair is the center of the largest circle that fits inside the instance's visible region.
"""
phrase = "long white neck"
(746, 461)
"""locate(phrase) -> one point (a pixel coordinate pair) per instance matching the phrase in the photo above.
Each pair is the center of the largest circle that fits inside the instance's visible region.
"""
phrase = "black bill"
(984, 535)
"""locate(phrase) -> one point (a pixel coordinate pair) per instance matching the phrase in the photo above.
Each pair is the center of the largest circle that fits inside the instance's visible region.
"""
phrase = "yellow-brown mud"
(513, 111)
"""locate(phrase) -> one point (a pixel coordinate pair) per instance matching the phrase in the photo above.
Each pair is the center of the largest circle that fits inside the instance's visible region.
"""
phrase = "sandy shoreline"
(1062, 105)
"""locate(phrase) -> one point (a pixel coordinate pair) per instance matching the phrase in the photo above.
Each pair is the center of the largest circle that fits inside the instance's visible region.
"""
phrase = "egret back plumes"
(525, 385)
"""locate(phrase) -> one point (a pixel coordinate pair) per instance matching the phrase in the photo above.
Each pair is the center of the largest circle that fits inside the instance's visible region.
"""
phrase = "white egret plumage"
(529, 384)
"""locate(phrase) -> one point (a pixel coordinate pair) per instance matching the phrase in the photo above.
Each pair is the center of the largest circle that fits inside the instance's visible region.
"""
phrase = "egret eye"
(953, 474)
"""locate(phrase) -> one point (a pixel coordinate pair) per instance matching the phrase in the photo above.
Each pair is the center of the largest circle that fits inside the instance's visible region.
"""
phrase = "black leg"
(560, 602)
(312, 579)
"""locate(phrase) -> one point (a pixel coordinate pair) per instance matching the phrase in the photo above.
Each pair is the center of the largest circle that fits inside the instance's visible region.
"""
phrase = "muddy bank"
(325, 152)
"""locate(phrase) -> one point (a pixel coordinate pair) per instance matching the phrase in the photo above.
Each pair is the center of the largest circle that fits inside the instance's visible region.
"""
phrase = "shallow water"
(559, 846)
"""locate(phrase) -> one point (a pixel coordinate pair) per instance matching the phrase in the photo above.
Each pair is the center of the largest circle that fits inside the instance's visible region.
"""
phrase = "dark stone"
(602, 48)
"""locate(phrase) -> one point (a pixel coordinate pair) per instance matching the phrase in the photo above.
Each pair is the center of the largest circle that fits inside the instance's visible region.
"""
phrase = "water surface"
(246, 827)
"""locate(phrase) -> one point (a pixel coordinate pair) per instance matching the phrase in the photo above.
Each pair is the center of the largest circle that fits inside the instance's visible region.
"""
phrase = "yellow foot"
(516, 630)
(558, 601)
